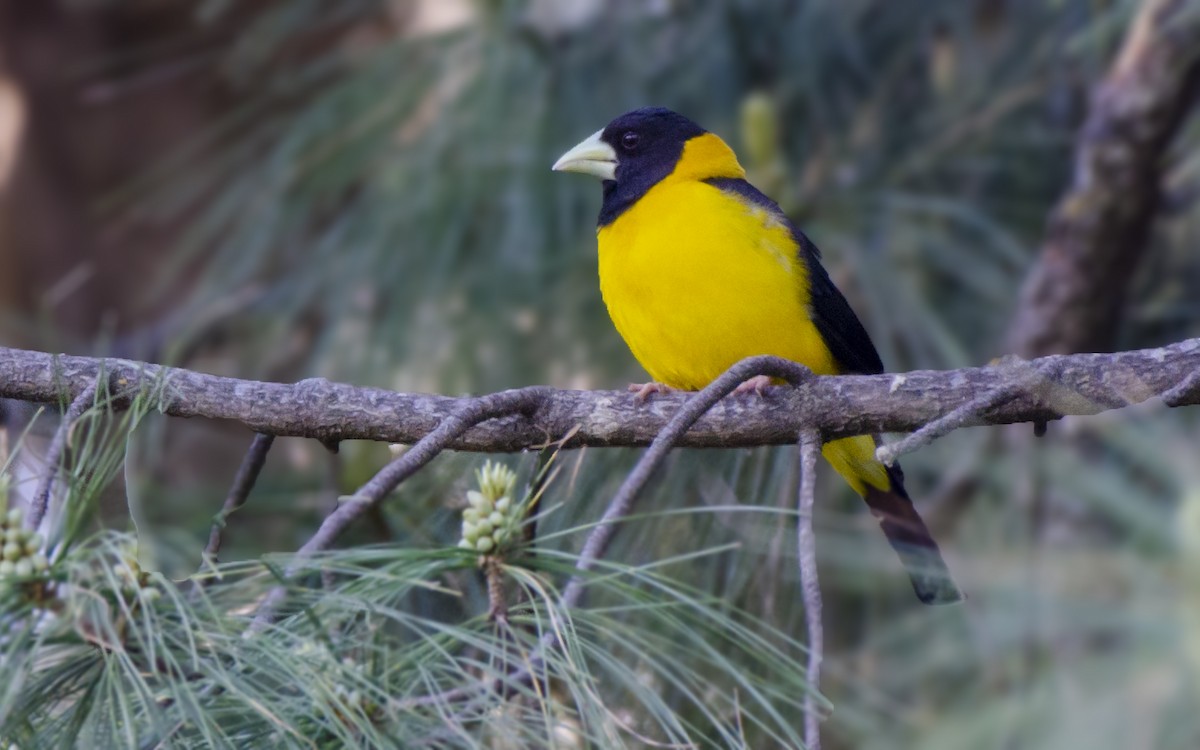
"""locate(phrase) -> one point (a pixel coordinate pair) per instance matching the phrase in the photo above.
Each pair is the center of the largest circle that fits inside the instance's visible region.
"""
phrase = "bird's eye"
(629, 141)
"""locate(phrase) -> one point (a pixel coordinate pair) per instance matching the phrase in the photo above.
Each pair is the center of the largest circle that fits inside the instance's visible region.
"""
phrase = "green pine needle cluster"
(374, 644)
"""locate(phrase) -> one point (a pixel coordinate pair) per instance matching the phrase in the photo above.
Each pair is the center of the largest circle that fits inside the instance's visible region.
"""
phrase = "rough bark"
(835, 406)
(1072, 299)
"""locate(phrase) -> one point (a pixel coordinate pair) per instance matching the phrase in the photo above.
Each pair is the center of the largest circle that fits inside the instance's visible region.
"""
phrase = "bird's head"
(644, 141)
(639, 149)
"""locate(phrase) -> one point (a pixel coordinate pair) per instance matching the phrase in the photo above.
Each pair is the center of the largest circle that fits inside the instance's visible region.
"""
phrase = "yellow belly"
(695, 280)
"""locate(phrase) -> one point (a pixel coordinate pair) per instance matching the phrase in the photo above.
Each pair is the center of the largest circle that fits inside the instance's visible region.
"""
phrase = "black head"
(631, 155)
(648, 142)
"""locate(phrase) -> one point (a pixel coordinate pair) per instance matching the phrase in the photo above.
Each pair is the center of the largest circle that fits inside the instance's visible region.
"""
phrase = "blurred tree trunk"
(12, 130)
(1073, 298)
(97, 115)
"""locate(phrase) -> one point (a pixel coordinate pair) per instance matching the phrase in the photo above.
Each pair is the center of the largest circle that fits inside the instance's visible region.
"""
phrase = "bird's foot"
(642, 391)
(757, 385)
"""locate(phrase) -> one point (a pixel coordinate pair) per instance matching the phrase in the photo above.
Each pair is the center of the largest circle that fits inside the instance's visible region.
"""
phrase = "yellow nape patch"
(704, 157)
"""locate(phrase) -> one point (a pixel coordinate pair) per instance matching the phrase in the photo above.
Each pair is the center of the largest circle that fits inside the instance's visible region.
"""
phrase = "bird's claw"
(757, 385)
(642, 391)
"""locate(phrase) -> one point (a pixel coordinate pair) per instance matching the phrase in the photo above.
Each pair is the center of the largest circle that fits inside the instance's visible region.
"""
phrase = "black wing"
(831, 313)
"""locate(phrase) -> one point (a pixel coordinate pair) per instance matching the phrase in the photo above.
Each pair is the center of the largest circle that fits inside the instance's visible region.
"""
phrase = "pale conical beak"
(593, 156)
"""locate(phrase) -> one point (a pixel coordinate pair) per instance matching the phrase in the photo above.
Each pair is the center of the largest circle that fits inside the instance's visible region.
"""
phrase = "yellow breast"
(696, 279)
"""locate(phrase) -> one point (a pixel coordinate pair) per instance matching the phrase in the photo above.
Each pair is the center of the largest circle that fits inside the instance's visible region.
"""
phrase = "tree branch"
(838, 406)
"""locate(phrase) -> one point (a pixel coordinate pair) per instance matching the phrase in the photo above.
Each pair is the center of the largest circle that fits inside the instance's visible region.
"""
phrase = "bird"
(699, 270)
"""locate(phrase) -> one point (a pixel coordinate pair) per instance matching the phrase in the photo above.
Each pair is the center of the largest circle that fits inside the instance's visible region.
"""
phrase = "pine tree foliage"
(380, 193)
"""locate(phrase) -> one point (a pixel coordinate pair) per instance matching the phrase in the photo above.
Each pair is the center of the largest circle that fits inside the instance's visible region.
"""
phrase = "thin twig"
(810, 447)
(959, 416)
(41, 499)
(472, 412)
(243, 483)
(695, 407)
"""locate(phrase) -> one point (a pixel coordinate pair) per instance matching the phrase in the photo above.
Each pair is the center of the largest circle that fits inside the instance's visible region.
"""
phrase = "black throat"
(661, 135)
(627, 189)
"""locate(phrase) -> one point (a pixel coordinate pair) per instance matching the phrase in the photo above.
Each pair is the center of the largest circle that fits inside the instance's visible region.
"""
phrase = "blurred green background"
(361, 190)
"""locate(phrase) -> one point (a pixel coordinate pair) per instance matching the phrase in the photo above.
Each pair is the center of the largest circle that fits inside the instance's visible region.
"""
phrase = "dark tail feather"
(912, 541)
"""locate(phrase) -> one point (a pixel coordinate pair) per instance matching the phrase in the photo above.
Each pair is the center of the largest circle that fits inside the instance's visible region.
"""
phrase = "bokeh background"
(361, 190)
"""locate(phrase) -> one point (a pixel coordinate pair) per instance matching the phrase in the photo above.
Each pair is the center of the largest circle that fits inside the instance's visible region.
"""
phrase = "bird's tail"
(882, 487)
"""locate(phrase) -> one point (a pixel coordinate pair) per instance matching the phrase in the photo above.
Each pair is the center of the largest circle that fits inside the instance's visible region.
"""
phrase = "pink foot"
(757, 384)
(643, 390)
